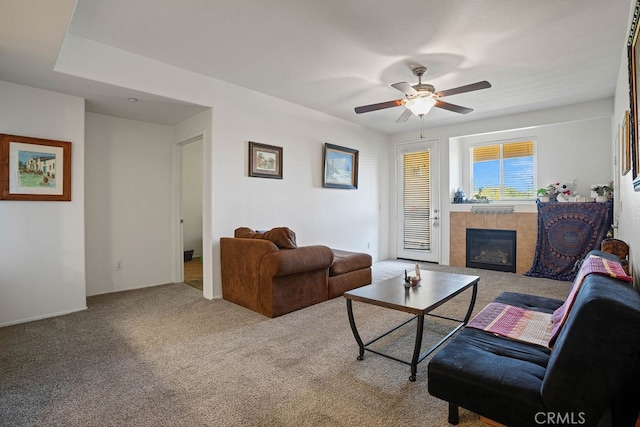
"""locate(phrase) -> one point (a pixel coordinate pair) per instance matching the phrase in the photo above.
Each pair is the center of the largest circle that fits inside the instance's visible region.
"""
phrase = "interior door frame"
(207, 258)
(435, 218)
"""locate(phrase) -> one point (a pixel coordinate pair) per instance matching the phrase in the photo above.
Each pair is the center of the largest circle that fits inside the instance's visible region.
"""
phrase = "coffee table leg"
(416, 350)
(471, 304)
(352, 322)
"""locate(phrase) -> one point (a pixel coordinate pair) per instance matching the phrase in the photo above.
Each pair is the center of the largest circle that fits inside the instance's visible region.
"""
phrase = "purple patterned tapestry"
(566, 233)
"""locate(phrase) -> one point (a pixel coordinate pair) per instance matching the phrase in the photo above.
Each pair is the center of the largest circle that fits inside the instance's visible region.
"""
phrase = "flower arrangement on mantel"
(546, 193)
(603, 191)
(479, 197)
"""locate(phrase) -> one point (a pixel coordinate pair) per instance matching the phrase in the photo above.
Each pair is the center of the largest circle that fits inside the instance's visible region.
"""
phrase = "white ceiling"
(334, 55)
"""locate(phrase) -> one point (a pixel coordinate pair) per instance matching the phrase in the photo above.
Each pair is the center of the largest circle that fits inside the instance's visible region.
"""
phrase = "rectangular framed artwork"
(340, 169)
(265, 161)
(625, 145)
(633, 56)
(34, 169)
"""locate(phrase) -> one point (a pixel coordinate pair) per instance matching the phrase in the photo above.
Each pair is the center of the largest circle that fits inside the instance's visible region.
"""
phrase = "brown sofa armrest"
(299, 260)
(240, 272)
(247, 251)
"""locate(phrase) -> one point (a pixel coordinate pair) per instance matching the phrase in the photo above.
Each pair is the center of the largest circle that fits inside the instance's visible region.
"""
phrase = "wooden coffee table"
(435, 289)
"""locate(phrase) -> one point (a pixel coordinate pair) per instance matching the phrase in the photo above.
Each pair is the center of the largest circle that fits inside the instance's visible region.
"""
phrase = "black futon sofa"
(593, 366)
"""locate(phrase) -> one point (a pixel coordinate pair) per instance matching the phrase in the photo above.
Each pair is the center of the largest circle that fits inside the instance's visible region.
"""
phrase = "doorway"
(191, 155)
(418, 193)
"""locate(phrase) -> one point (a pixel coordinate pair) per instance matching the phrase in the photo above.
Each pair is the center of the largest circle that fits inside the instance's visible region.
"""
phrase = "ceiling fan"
(420, 98)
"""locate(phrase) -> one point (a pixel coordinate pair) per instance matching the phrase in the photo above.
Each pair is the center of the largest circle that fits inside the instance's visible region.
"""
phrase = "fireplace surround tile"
(524, 223)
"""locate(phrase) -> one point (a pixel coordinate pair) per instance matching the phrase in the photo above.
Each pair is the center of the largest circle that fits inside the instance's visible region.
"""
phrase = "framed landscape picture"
(340, 168)
(34, 169)
(265, 161)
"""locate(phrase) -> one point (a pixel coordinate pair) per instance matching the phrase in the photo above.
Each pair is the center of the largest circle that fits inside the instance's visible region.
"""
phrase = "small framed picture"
(340, 169)
(265, 161)
(34, 169)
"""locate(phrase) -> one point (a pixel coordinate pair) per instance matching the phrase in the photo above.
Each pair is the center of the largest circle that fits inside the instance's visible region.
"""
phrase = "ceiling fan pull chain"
(422, 126)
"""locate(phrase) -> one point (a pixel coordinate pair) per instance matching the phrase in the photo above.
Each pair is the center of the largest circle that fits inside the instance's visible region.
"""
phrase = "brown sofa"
(349, 270)
(268, 273)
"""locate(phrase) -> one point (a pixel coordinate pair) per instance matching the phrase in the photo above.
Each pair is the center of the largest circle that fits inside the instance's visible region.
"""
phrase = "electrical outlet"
(119, 264)
(574, 183)
(368, 245)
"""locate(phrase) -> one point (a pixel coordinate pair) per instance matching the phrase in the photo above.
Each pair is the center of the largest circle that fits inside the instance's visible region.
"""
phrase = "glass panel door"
(418, 212)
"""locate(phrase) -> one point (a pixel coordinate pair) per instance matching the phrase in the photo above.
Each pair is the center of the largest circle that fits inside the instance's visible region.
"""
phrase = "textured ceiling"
(334, 55)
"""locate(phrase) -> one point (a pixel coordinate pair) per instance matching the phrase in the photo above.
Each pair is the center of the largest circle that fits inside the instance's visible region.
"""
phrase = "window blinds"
(504, 171)
(417, 200)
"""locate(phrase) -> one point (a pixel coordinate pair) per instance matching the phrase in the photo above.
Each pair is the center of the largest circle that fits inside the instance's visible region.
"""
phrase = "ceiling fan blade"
(453, 107)
(379, 106)
(404, 116)
(467, 88)
(405, 87)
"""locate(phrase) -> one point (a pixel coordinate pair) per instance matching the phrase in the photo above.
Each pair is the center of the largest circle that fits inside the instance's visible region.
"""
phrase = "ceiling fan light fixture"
(420, 105)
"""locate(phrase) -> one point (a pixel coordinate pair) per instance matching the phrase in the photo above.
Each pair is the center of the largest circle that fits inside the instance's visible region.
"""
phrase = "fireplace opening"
(491, 249)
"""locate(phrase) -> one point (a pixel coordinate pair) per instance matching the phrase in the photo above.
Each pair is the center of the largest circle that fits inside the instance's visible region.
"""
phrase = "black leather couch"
(593, 366)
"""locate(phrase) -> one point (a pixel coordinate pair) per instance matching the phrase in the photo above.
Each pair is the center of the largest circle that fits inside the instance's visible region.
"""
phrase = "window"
(504, 171)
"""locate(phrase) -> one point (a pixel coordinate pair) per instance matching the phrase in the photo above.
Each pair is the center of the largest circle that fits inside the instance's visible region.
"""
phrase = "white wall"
(345, 219)
(42, 267)
(629, 216)
(129, 207)
(573, 142)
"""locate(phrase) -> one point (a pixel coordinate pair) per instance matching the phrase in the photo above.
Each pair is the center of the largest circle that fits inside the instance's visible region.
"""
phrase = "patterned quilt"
(541, 328)
(592, 265)
(514, 322)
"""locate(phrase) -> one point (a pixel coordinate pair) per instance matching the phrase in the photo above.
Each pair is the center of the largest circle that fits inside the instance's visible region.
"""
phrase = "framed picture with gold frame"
(625, 145)
(34, 169)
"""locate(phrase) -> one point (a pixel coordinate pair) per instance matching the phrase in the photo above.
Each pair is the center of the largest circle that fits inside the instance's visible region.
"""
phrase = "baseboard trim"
(46, 316)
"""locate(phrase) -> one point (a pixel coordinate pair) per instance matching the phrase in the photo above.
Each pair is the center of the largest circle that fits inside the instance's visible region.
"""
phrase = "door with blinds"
(418, 193)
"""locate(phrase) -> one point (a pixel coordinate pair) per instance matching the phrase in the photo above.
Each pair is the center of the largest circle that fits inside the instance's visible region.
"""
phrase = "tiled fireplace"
(525, 224)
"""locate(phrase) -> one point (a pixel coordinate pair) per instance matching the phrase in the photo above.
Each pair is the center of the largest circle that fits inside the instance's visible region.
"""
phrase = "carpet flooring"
(165, 356)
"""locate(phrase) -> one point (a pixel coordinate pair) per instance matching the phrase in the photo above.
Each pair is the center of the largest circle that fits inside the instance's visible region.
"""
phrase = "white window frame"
(501, 143)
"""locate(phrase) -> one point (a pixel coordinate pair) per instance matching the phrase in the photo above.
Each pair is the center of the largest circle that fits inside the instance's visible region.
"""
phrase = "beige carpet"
(165, 356)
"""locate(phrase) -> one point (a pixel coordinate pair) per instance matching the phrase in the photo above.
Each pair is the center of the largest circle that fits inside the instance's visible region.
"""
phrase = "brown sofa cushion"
(344, 262)
(282, 237)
